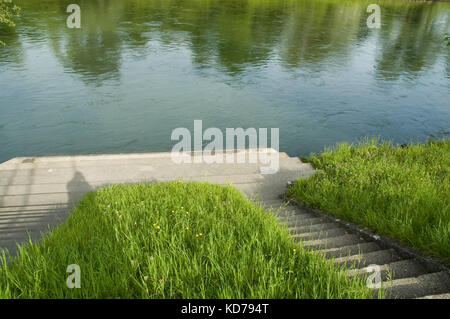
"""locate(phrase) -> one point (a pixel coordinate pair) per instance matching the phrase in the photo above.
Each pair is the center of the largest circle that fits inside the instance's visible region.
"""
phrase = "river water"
(138, 69)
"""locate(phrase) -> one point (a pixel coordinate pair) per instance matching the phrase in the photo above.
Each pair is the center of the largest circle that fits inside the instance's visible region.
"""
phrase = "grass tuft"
(402, 192)
(173, 240)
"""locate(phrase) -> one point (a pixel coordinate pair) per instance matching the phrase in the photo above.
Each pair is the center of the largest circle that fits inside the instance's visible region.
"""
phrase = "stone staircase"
(404, 273)
(37, 193)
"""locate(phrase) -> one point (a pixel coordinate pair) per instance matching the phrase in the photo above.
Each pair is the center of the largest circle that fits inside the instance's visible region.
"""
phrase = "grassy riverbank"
(173, 240)
(401, 192)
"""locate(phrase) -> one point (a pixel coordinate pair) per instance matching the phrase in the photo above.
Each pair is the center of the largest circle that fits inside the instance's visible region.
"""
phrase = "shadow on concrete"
(77, 187)
(20, 224)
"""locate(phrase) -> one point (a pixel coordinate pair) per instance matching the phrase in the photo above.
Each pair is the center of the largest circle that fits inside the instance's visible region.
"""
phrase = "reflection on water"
(139, 68)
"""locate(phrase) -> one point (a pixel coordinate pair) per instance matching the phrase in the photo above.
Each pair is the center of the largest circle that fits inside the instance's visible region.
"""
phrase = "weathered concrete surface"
(37, 193)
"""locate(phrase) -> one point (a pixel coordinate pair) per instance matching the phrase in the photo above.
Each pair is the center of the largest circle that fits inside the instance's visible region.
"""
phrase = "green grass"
(173, 240)
(401, 192)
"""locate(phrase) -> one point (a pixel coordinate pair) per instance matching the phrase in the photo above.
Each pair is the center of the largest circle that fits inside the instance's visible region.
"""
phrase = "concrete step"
(441, 296)
(11, 216)
(414, 287)
(284, 211)
(86, 187)
(300, 220)
(272, 205)
(27, 223)
(19, 231)
(378, 257)
(32, 208)
(291, 211)
(21, 236)
(255, 191)
(126, 173)
(154, 169)
(319, 235)
(113, 159)
(351, 250)
(51, 194)
(42, 199)
(284, 215)
(395, 270)
(295, 163)
(9, 245)
(333, 242)
(307, 229)
(80, 160)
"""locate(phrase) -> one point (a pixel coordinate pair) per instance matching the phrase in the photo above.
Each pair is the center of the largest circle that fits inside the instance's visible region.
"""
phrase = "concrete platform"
(36, 193)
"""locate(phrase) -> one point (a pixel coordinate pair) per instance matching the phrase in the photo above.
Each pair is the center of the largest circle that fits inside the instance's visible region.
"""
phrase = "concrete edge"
(431, 264)
(59, 158)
